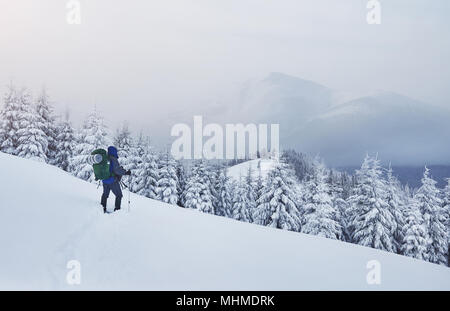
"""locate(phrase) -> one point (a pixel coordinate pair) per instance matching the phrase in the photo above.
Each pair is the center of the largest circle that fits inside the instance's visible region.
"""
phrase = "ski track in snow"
(69, 249)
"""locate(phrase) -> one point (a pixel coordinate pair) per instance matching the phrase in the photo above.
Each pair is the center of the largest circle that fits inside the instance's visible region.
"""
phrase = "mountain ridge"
(401, 129)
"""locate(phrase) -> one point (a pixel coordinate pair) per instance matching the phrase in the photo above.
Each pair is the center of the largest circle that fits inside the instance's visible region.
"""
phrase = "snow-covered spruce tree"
(10, 120)
(32, 142)
(197, 194)
(92, 135)
(320, 213)
(259, 186)
(147, 174)
(223, 199)
(181, 177)
(123, 141)
(241, 202)
(213, 171)
(125, 145)
(251, 192)
(339, 191)
(136, 155)
(446, 195)
(303, 166)
(47, 123)
(372, 222)
(331, 179)
(407, 191)
(414, 232)
(346, 185)
(446, 205)
(65, 141)
(276, 206)
(342, 217)
(396, 206)
(167, 184)
(430, 205)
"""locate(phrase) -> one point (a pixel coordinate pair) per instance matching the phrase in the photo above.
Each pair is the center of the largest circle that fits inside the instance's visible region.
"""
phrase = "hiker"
(113, 183)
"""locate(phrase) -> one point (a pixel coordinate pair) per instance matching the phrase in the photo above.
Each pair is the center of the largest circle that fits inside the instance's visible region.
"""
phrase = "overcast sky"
(139, 60)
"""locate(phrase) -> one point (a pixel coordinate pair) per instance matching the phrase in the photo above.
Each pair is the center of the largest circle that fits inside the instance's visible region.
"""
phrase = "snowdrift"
(48, 217)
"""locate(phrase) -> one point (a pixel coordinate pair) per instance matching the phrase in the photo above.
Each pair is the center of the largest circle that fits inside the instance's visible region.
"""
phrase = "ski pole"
(129, 193)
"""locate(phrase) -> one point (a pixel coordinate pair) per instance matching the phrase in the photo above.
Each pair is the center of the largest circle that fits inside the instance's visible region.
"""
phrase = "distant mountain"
(314, 119)
(282, 99)
(340, 127)
(399, 129)
(272, 97)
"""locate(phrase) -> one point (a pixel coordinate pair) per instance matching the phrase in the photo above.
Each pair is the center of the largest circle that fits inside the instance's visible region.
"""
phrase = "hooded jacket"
(115, 169)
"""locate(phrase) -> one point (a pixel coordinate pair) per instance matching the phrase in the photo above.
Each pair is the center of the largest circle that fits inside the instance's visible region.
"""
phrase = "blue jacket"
(114, 167)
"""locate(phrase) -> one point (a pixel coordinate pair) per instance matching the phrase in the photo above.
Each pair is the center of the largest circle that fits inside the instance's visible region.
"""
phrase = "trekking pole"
(129, 193)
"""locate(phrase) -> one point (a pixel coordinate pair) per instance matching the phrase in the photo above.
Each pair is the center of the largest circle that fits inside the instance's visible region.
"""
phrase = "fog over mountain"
(400, 129)
(158, 63)
(318, 120)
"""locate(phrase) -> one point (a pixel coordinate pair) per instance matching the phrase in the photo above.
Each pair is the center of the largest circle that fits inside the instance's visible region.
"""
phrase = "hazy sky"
(139, 60)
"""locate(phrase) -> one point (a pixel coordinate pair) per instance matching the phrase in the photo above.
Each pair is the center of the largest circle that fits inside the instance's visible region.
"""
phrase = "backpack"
(101, 169)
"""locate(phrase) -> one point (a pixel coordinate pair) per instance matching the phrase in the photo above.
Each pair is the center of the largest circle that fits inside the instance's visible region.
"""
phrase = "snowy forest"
(369, 208)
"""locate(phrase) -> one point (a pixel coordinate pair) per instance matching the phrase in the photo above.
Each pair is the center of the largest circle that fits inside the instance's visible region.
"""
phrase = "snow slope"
(258, 165)
(48, 217)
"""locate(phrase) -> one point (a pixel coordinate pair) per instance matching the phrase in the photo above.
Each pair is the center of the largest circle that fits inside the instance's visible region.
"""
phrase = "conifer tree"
(430, 205)
(415, 234)
(181, 177)
(213, 172)
(396, 206)
(276, 206)
(241, 203)
(47, 123)
(446, 205)
(136, 156)
(147, 174)
(65, 144)
(224, 200)
(259, 186)
(372, 222)
(32, 142)
(92, 135)
(168, 180)
(197, 194)
(251, 193)
(10, 115)
(123, 141)
(320, 214)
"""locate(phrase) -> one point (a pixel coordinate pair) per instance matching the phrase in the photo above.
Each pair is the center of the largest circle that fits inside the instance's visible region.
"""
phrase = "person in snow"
(113, 182)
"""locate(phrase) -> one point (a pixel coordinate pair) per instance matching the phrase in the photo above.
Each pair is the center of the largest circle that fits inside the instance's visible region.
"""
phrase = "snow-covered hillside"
(263, 166)
(48, 217)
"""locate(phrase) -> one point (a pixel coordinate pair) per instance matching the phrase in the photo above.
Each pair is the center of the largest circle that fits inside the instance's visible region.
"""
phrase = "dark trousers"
(115, 188)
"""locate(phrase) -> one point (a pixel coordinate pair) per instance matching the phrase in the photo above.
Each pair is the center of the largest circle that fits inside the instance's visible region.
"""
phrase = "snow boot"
(118, 202)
